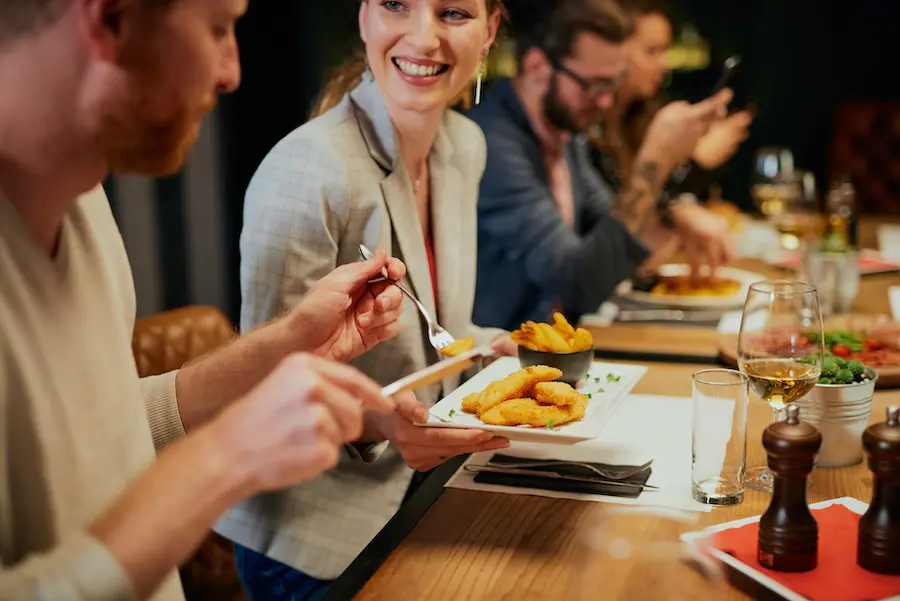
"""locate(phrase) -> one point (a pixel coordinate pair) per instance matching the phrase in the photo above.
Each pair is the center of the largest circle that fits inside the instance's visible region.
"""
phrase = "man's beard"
(556, 112)
(137, 137)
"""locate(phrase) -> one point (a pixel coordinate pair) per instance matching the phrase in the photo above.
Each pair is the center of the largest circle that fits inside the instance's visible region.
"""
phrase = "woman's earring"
(479, 83)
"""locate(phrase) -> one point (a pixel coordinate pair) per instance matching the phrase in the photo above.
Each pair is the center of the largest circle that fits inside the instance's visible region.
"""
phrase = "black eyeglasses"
(593, 87)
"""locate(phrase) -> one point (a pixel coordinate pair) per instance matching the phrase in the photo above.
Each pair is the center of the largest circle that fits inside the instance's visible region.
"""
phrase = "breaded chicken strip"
(515, 386)
(470, 402)
(556, 393)
(528, 412)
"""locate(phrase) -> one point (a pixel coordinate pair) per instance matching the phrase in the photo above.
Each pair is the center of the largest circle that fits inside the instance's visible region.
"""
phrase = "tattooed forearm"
(636, 203)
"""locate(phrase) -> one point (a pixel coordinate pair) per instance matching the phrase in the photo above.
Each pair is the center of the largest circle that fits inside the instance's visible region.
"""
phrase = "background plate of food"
(672, 287)
(873, 340)
(531, 403)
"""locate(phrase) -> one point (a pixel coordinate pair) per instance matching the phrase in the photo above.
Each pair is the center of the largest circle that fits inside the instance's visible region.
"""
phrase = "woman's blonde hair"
(348, 75)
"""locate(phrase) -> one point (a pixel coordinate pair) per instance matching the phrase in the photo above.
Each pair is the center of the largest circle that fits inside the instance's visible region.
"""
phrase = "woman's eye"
(392, 5)
(455, 15)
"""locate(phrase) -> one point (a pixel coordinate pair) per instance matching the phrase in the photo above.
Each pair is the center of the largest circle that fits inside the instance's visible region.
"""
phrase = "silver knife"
(512, 471)
(438, 371)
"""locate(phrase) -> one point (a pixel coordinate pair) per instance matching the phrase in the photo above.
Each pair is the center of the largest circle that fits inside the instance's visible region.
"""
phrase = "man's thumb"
(411, 409)
(352, 276)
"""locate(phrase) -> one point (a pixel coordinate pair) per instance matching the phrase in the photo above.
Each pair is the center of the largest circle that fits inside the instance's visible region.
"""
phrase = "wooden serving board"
(888, 377)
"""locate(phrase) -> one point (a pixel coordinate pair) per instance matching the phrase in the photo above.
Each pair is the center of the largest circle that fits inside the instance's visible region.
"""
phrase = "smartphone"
(729, 70)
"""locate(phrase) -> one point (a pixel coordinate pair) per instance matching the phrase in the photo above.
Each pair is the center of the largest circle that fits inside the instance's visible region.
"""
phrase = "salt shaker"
(788, 533)
(879, 529)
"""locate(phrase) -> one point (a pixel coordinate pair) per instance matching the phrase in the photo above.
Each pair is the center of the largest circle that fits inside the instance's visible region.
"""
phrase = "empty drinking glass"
(719, 459)
(836, 277)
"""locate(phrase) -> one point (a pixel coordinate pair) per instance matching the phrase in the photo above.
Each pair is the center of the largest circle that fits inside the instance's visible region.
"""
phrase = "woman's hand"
(722, 140)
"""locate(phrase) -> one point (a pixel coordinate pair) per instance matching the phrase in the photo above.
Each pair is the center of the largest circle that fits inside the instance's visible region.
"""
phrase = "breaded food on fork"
(517, 385)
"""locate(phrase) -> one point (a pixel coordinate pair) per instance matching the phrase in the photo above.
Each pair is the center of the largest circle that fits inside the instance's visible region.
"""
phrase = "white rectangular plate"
(854, 505)
(605, 396)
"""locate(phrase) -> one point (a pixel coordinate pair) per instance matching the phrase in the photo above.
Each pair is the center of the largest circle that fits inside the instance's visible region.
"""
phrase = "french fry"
(523, 339)
(555, 341)
(583, 340)
(561, 325)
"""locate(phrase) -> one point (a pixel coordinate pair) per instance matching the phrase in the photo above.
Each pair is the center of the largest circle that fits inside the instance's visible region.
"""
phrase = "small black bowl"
(574, 366)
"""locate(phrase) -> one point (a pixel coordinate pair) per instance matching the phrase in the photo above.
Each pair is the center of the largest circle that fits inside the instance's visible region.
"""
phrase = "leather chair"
(866, 146)
(164, 342)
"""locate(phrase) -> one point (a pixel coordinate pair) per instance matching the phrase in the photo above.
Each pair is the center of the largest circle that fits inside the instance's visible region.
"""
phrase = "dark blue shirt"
(530, 261)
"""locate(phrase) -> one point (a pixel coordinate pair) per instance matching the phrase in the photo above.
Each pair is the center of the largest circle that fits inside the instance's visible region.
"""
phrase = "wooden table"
(474, 546)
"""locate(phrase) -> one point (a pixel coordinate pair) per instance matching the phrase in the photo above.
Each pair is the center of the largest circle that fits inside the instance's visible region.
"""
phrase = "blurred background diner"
(814, 72)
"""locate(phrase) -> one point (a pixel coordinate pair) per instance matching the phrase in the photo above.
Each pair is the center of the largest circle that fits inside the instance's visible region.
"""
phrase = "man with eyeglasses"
(552, 235)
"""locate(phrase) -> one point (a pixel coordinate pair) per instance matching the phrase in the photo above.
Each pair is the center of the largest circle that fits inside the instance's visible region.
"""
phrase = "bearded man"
(88, 511)
(551, 234)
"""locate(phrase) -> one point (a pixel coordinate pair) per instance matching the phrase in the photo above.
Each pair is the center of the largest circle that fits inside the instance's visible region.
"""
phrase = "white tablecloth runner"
(644, 427)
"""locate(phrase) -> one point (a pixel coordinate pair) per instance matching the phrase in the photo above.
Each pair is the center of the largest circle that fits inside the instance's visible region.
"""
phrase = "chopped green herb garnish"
(550, 425)
(452, 413)
(596, 380)
(441, 419)
(613, 378)
(600, 390)
(588, 395)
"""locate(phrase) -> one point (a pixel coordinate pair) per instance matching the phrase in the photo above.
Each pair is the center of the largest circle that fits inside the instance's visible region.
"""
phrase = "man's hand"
(722, 140)
(426, 448)
(677, 127)
(343, 316)
(291, 427)
(705, 236)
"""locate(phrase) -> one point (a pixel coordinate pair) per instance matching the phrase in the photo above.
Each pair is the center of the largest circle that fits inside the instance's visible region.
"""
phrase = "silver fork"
(621, 473)
(437, 336)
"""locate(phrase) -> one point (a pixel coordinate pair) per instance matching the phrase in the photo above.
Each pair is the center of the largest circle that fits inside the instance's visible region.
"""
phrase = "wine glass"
(773, 180)
(799, 215)
(780, 349)
(635, 552)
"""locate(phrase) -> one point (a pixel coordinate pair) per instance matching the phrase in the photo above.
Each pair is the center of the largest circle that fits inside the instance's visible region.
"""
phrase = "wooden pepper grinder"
(788, 533)
(879, 529)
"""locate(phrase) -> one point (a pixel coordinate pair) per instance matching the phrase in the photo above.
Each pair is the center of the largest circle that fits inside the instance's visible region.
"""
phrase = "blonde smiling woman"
(389, 166)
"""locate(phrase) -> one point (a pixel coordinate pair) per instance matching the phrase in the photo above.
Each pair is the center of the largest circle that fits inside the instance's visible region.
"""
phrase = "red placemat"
(837, 577)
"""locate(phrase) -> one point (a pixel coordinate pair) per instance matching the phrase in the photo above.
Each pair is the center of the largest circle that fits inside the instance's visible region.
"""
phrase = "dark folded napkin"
(559, 485)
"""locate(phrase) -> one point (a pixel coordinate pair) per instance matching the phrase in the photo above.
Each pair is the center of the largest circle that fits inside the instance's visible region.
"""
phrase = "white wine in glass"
(781, 319)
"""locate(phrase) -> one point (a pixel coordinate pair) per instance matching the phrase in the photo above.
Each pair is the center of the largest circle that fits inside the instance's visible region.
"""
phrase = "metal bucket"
(841, 413)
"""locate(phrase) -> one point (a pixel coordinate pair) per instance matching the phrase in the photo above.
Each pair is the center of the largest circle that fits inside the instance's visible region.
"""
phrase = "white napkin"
(894, 296)
(889, 241)
(644, 427)
(730, 323)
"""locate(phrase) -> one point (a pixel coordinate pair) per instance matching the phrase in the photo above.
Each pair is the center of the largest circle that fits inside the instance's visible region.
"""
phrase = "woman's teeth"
(418, 70)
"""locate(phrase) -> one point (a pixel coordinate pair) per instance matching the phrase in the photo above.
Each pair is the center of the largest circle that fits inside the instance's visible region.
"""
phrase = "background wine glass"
(798, 219)
(775, 350)
(636, 553)
(772, 180)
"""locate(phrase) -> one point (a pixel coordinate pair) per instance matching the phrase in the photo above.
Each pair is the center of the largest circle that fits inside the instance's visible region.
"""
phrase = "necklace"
(416, 186)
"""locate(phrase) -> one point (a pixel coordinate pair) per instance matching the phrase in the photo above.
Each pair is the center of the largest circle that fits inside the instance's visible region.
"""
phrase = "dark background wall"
(800, 56)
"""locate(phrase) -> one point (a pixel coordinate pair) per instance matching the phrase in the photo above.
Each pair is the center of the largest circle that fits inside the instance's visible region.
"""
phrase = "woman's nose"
(423, 32)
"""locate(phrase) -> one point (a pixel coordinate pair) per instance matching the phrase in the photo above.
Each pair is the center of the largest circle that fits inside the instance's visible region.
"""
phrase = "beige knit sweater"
(76, 422)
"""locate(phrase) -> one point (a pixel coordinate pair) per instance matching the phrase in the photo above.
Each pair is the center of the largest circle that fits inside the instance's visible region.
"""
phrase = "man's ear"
(536, 65)
(106, 23)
